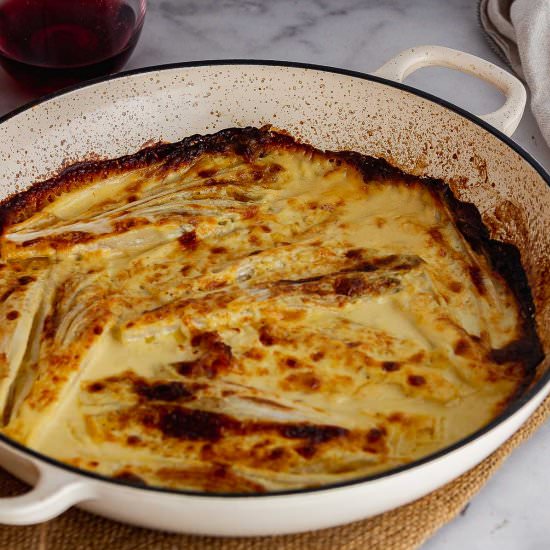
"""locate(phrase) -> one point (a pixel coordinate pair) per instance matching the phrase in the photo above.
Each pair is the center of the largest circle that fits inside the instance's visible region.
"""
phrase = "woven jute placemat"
(405, 528)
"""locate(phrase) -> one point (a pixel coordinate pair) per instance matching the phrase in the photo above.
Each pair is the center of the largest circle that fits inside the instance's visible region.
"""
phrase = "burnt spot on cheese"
(12, 315)
(189, 240)
(213, 478)
(349, 286)
(129, 477)
(197, 339)
(212, 285)
(194, 425)
(416, 380)
(302, 280)
(397, 262)
(240, 196)
(218, 250)
(254, 240)
(265, 336)
(277, 453)
(207, 173)
(250, 212)
(62, 240)
(375, 434)
(95, 387)
(290, 362)
(356, 285)
(123, 225)
(455, 286)
(197, 368)
(385, 261)
(476, 276)
(436, 235)
(25, 280)
(390, 366)
(6, 294)
(397, 417)
(461, 347)
(354, 254)
(306, 451)
(219, 181)
(207, 452)
(375, 441)
(133, 440)
(134, 186)
(200, 425)
(317, 356)
(301, 381)
(254, 353)
(418, 357)
(162, 391)
(272, 171)
(312, 433)
(216, 357)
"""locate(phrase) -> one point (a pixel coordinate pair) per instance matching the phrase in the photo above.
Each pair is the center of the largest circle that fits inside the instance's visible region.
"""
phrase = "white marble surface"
(513, 511)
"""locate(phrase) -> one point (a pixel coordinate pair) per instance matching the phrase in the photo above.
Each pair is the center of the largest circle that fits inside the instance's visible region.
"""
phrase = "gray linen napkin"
(520, 30)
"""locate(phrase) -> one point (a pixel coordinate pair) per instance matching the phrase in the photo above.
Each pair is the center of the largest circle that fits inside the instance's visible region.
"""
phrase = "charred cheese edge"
(241, 312)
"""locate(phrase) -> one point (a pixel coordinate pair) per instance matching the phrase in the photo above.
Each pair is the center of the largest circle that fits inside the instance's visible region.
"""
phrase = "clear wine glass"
(48, 44)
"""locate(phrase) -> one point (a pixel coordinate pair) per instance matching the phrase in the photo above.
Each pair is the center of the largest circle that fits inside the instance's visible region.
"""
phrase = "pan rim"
(497, 421)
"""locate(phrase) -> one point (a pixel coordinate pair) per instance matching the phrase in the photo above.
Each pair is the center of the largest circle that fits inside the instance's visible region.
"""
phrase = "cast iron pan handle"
(505, 119)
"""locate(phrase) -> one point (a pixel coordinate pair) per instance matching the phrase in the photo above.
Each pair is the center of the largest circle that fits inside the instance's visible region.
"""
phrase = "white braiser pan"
(332, 109)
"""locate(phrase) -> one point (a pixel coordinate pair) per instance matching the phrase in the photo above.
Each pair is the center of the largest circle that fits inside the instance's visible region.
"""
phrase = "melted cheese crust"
(246, 313)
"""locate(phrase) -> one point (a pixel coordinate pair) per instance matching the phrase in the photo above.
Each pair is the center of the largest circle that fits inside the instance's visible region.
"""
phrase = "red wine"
(48, 44)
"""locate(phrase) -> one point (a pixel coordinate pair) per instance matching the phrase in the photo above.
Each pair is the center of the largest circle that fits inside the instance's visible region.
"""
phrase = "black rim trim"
(510, 411)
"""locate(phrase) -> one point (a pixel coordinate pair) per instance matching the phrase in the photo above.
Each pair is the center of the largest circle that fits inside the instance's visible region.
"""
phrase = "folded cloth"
(520, 30)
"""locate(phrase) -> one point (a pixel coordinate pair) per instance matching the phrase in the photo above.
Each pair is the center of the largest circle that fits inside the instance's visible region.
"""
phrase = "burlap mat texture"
(405, 528)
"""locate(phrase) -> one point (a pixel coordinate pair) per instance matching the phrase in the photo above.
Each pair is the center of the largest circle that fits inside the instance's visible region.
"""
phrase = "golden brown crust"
(178, 411)
(252, 142)
(248, 142)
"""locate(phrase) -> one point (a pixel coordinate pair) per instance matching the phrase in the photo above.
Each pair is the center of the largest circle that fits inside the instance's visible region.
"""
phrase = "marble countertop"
(513, 511)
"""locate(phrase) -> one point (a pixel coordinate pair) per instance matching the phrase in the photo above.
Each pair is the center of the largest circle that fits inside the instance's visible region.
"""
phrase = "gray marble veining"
(513, 511)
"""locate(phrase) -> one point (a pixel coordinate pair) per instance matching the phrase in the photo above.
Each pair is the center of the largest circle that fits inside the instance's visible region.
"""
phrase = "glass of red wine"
(48, 44)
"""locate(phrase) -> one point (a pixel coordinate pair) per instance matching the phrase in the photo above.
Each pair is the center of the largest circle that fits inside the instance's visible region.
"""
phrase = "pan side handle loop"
(52, 495)
(505, 119)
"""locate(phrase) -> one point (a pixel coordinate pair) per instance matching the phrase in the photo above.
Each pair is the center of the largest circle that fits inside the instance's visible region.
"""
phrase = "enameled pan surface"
(331, 109)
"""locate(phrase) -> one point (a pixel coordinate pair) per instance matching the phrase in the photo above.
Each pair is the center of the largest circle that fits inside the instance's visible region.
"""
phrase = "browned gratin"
(241, 312)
